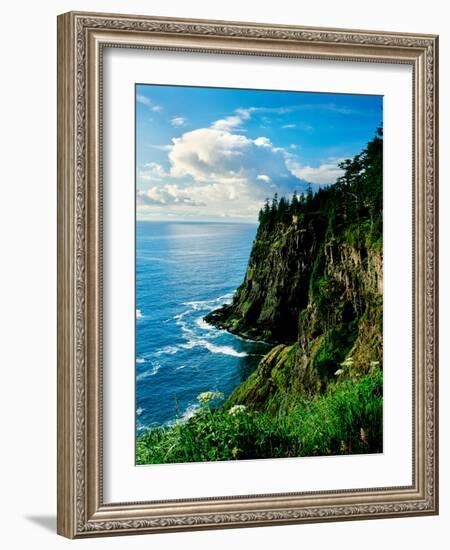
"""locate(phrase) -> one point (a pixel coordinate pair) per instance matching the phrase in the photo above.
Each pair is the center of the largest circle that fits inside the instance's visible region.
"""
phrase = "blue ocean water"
(183, 271)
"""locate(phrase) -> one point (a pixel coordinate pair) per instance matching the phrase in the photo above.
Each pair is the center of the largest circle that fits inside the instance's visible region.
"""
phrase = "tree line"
(356, 196)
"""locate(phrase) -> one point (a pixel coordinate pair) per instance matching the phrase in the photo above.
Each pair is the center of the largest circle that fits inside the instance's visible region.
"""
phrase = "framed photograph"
(247, 276)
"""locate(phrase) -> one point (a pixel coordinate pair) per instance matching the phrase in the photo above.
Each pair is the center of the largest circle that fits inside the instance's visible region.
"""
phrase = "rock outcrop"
(314, 288)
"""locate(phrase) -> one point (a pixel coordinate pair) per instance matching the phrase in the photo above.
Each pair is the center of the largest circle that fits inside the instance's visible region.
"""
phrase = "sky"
(215, 154)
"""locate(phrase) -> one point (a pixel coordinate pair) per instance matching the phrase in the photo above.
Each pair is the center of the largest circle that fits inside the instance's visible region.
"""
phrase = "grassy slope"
(347, 418)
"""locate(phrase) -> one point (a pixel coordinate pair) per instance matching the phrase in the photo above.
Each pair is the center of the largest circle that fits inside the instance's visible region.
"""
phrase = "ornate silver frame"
(81, 38)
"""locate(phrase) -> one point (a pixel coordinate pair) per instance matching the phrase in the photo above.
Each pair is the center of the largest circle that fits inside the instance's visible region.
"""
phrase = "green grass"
(347, 418)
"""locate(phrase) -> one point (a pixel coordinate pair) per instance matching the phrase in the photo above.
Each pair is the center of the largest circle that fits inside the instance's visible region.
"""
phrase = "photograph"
(247, 273)
(258, 274)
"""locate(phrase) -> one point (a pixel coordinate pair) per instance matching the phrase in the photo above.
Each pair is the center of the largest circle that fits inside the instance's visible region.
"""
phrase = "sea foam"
(150, 372)
(168, 350)
(197, 305)
(225, 350)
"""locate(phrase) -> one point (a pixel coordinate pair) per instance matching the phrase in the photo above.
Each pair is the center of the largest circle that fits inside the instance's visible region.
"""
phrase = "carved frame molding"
(81, 39)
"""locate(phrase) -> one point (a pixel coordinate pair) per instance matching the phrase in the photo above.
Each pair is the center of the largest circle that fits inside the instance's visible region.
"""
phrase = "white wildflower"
(208, 396)
(237, 409)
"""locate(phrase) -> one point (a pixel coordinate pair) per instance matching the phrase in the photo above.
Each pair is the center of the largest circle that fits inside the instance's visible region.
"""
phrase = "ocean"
(183, 271)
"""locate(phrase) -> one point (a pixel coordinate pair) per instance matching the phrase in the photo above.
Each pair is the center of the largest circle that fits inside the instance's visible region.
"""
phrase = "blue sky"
(213, 154)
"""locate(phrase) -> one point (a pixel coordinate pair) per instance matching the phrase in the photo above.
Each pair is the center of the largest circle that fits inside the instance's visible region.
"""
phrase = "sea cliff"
(313, 287)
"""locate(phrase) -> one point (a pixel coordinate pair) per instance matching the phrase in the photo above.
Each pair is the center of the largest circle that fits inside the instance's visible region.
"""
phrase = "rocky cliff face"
(313, 288)
(275, 288)
(322, 306)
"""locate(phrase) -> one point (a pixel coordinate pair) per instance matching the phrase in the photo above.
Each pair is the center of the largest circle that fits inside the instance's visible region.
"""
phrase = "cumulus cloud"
(177, 121)
(221, 168)
(152, 171)
(209, 154)
(167, 195)
(263, 142)
(324, 174)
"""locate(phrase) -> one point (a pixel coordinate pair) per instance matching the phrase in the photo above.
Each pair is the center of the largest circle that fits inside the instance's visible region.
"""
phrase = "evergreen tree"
(294, 203)
(355, 197)
(274, 208)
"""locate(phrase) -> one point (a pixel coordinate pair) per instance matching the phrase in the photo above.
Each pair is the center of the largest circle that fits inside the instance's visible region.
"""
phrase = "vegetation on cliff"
(313, 288)
(345, 419)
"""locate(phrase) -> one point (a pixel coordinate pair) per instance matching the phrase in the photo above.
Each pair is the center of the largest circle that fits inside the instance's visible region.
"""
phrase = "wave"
(141, 427)
(213, 348)
(186, 325)
(139, 411)
(181, 315)
(189, 412)
(201, 323)
(168, 350)
(196, 332)
(197, 305)
(150, 372)
(225, 350)
(189, 344)
(139, 314)
(200, 305)
(185, 328)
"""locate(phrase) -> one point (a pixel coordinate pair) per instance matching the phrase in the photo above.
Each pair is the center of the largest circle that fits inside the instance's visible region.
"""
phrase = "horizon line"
(200, 221)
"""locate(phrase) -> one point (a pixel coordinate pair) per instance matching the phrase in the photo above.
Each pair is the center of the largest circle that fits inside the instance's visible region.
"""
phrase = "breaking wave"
(150, 372)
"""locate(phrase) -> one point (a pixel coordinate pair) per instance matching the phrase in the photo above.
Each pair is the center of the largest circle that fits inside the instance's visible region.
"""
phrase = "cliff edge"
(313, 287)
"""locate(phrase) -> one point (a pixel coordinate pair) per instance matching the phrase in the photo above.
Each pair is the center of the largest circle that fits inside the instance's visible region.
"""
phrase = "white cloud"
(166, 147)
(263, 177)
(167, 195)
(208, 154)
(329, 107)
(262, 142)
(177, 121)
(144, 100)
(152, 171)
(232, 122)
(326, 173)
(300, 126)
